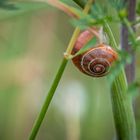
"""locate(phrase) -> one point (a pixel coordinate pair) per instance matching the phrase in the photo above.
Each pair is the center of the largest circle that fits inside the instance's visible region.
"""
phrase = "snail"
(96, 61)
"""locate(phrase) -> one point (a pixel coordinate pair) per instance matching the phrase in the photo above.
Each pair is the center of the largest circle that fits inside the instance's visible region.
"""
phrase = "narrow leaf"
(81, 3)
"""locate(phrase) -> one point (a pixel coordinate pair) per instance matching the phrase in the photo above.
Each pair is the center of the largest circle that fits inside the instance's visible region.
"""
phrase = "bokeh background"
(31, 48)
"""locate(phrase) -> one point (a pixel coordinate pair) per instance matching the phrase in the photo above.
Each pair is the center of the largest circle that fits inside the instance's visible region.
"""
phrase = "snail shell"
(96, 61)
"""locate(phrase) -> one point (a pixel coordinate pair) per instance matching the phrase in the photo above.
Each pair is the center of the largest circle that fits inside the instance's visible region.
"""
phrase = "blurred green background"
(31, 48)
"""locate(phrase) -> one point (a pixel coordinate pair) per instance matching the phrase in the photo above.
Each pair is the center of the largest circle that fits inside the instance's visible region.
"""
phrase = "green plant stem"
(72, 42)
(122, 109)
(57, 79)
(48, 99)
(110, 34)
(55, 83)
(121, 101)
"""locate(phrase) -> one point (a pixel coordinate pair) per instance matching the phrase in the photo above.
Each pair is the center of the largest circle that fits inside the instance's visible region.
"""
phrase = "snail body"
(96, 61)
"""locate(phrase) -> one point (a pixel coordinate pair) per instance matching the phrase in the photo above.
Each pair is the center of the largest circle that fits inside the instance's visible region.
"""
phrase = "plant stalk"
(130, 68)
(121, 101)
(48, 99)
(57, 79)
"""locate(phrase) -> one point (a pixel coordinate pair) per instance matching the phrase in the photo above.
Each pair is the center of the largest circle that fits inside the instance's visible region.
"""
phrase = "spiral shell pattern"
(95, 62)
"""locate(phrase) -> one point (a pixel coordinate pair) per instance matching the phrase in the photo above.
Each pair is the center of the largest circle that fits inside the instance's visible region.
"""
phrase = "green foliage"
(98, 12)
(81, 3)
(118, 4)
(138, 9)
(20, 8)
(7, 6)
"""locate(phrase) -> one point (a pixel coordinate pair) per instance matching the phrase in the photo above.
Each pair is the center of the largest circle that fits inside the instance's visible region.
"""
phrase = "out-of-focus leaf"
(20, 8)
(98, 11)
(138, 8)
(83, 23)
(88, 21)
(84, 19)
(118, 4)
(133, 89)
(97, 17)
(6, 5)
(81, 3)
(70, 3)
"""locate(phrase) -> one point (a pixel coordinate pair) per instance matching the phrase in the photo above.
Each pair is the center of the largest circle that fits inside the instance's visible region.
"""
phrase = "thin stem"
(88, 6)
(110, 34)
(121, 102)
(48, 99)
(57, 79)
(72, 42)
